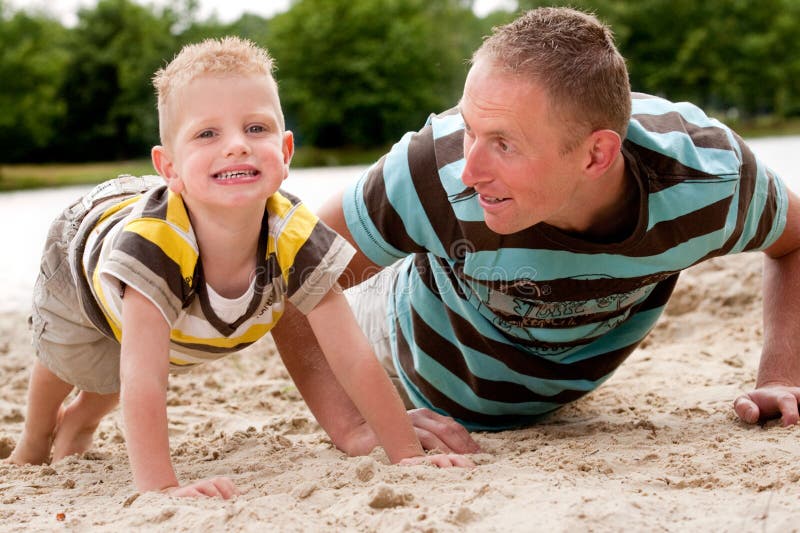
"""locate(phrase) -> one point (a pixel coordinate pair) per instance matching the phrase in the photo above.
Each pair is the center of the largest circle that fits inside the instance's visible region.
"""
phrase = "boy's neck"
(228, 247)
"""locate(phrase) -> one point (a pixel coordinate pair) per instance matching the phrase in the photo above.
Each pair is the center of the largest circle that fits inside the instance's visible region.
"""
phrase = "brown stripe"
(449, 148)
(525, 362)
(156, 206)
(701, 136)
(767, 220)
(748, 177)
(445, 404)
(309, 255)
(382, 213)
(660, 171)
(433, 198)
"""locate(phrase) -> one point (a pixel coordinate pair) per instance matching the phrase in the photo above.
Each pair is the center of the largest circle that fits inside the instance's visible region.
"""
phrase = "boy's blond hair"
(225, 56)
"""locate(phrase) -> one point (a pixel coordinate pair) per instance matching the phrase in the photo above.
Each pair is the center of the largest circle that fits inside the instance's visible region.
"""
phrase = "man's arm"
(316, 382)
(777, 390)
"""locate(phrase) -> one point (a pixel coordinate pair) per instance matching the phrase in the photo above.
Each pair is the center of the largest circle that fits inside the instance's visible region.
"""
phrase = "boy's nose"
(237, 146)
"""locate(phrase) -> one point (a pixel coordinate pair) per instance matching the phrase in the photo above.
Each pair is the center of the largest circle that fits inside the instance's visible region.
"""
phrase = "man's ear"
(162, 162)
(603, 149)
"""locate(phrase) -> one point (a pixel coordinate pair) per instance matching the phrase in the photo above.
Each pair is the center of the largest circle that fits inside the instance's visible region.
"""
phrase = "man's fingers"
(787, 403)
(440, 460)
(450, 433)
(746, 409)
(429, 441)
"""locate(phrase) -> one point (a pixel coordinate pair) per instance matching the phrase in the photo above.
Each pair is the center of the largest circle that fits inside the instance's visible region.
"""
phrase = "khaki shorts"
(369, 302)
(64, 340)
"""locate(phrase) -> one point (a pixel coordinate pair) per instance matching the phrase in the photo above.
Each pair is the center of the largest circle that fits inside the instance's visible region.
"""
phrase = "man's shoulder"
(683, 132)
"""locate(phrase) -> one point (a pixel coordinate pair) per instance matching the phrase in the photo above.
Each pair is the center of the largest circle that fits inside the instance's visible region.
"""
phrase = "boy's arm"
(777, 390)
(144, 370)
(365, 382)
(314, 379)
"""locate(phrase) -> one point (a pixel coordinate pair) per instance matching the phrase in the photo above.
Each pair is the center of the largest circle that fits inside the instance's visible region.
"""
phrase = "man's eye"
(504, 147)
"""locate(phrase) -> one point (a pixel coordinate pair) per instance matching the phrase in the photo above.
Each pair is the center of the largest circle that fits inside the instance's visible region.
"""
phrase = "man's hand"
(434, 431)
(442, 433)
(769, 401)
(441, 460)
(217, 487)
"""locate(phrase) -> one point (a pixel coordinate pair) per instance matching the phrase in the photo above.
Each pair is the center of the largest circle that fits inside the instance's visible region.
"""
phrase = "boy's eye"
(256, 128)
(206, 134)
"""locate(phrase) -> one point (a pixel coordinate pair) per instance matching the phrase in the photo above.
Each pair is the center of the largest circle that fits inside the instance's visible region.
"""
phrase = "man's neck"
(615, 201)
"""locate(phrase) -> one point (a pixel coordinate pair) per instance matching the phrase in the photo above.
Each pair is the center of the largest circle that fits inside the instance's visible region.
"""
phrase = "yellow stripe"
(111, 210)
(116, 328)
(176, 212)
(168, 241)
(180, 362)
(293, 235)
(254, 333)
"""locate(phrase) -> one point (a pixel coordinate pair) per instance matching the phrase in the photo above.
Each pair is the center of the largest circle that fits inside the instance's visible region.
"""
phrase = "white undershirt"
(227, 309)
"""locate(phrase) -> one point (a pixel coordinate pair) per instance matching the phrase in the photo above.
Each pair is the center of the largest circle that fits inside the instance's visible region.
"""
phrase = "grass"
(15, 177)
(29, 176)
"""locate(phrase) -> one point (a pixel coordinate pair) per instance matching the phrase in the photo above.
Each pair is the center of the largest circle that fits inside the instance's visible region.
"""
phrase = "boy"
(141, 277)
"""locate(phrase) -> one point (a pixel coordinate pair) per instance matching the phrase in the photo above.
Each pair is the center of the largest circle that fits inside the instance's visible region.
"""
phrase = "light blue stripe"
(660, 106)
(679, 146)
(443, 126)
(451, 386)
(756, 209)
(558, 264)
(684, 198)
(634, 330)
(403, 197)
(364, 232)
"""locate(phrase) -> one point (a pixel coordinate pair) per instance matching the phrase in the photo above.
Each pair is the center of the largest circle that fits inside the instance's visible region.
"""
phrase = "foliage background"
(357, 74)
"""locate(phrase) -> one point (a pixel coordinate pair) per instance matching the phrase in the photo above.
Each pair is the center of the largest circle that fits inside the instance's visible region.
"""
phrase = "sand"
(657, 448)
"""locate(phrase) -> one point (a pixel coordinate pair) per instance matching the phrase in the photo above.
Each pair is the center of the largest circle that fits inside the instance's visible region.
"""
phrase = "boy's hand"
(216, 487)
(442, 460)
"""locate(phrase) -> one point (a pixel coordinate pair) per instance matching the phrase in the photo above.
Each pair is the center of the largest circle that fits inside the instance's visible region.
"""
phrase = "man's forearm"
(780, 360)
(315, 380)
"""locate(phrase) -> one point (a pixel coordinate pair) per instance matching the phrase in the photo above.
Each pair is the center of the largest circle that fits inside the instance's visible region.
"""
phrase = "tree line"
(359, 74)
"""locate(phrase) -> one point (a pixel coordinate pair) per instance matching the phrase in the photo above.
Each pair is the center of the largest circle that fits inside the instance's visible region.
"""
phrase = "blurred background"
(76, 103)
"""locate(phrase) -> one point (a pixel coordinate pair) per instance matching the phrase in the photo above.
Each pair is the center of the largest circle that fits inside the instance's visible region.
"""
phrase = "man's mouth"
(492, 199)
(235, 174)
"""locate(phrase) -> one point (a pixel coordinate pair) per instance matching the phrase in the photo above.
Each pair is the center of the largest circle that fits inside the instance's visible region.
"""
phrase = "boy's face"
(226, 147)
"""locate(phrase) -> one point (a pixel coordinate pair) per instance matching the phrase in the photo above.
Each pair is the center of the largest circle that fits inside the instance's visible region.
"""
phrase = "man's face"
(513, 150)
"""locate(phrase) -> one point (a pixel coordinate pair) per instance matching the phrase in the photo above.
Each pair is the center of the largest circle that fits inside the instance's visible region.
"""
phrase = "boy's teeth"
(235, 174)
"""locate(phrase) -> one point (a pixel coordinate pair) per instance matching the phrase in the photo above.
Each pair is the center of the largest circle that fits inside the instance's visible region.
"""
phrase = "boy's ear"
(165, 168)
(288, 149)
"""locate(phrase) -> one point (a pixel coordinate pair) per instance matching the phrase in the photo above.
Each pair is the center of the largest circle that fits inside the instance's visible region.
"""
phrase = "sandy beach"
(657, 448)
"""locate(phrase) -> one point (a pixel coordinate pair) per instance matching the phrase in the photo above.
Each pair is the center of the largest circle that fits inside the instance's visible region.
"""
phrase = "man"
(537, 231)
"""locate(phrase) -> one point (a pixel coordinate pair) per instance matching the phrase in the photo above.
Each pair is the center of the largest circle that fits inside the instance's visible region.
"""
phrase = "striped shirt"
(146, 241)
(497, 329)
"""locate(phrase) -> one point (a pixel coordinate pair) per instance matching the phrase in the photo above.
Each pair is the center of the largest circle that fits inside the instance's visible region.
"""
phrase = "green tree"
(361, 73)
(32, 64)
(116, 48)
(738, 56)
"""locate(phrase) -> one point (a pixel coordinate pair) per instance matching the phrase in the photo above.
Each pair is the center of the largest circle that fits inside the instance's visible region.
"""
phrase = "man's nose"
(474, 164)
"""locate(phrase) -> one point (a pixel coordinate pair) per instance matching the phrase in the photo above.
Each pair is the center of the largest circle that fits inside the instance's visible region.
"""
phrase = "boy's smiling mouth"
(234, 174)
